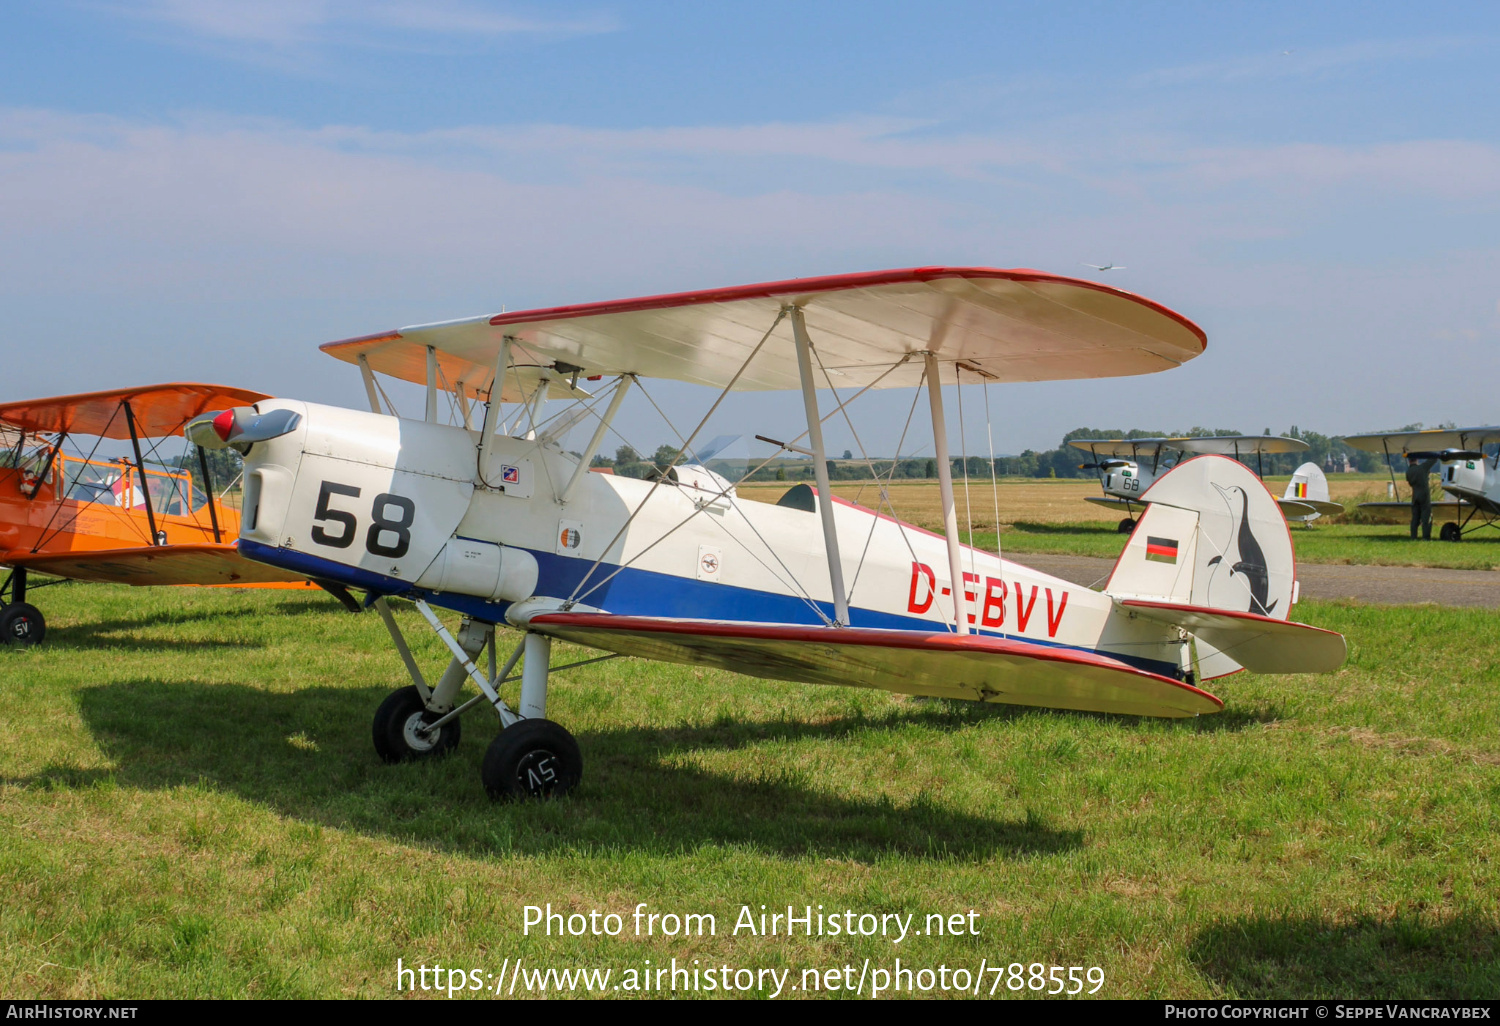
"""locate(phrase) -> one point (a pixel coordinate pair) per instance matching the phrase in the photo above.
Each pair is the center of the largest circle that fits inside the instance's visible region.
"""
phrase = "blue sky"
(208, 190)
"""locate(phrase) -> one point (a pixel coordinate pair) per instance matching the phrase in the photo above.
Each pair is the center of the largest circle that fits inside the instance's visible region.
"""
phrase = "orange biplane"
(81, 516)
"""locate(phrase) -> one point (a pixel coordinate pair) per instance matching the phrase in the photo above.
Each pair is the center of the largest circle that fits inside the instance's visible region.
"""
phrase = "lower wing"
(1401, 511)
(157, 565)
(940, 665)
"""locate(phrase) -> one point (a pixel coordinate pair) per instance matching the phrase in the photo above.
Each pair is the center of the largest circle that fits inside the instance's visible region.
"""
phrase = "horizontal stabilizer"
(1308, 507)
(155, 565)
(1263, 644)
(940, 665)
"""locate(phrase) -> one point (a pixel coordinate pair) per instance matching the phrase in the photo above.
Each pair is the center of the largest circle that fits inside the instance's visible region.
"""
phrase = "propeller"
(240, 427)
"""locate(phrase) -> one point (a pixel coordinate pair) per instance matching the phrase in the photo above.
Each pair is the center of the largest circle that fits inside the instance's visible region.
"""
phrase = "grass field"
(192, 807)
(1052, 516)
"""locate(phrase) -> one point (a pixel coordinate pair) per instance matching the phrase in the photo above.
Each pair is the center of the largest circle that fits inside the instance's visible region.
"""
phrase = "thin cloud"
(280, 25)
(1297, 62)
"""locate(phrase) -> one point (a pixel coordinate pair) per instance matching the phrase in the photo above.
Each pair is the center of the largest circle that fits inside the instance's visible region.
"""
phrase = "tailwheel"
(22, 624)
(1126, 526)
(531, 759)
(399, 729)
(1450, 532)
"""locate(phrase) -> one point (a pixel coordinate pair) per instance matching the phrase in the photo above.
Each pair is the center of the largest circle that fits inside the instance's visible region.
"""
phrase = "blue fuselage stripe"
(633, 592)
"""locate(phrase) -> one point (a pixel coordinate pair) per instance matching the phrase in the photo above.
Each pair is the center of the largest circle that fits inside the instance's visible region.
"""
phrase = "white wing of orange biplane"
(72, 514)
(502, 524)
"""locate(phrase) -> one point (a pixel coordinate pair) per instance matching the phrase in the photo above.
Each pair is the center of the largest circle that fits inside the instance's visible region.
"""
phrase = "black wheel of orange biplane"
(531, 759)
(1126, 526)
(21, 623)
(399, 733)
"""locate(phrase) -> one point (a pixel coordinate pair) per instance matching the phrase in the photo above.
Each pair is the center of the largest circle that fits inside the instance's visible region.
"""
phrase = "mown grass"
(191, 806)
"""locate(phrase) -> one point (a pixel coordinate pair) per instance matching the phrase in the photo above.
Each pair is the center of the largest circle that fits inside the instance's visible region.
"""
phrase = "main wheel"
(1126, 526)
(531, 759)
(397, 722)
(1450, 532)
(21, 623)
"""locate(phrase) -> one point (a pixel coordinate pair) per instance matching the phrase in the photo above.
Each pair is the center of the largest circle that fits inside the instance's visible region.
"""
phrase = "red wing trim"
(826, 283)
(874, 638)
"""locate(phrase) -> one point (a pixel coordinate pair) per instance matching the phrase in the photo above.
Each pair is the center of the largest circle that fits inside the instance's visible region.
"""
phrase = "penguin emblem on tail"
(1251, 561)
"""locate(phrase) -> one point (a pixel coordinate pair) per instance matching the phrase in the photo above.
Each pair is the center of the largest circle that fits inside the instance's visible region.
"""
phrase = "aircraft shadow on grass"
(1038, 527)
(307, 754)
(1267, 957)
(104, 634)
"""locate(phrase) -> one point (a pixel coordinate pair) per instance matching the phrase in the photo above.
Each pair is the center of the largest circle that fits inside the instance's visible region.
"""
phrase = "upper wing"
(1123, 448)
(1239, 445)
(1425, 441)
(941, 665)
(161, 564)
(159, 410)
(1014, 325)
(1113, 503)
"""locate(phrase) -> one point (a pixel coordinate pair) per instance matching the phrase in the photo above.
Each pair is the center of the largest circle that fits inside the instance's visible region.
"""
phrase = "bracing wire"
(994, 481)
(963, 448)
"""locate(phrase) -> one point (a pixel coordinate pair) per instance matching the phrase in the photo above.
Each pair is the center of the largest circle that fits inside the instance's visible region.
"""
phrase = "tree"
(625, 455)
(664, 456)
(848, 454)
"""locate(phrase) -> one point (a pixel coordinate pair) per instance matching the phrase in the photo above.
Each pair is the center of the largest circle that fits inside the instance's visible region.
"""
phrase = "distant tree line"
(1064, 461)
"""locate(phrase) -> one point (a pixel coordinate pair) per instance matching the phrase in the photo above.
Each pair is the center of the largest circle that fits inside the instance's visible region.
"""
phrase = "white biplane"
(1467, 473)
(1129, 466)
(498, 523)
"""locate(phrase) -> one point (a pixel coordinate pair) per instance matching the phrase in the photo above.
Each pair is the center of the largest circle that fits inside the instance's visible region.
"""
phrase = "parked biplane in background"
(1466, 472)
(1129, 466)
(72, 514)
(503, 525)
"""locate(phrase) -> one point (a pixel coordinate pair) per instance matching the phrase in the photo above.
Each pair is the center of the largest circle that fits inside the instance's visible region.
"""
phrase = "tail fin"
(1211, 537)
(1308, 482)
(1212, 556)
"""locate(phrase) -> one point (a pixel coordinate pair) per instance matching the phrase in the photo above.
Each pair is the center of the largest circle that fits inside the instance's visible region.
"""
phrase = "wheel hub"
(419, 736)
(536, 772)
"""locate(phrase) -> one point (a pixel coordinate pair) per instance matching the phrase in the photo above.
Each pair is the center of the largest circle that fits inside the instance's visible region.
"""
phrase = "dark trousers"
(1421, 510)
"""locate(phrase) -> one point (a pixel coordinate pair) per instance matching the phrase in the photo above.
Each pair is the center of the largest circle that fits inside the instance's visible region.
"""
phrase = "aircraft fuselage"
(402, 507)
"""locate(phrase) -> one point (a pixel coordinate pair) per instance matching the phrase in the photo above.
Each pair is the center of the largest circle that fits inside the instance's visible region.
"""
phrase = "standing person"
(1417, 471)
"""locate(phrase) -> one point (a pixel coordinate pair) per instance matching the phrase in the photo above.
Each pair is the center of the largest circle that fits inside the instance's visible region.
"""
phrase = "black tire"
(22, 624)
(1126, 526)
(395, 736)
(1451, 532)
(532, 759)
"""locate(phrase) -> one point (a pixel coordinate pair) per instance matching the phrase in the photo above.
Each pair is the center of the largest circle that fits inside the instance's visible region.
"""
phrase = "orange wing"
(159, 410)
(163, 564)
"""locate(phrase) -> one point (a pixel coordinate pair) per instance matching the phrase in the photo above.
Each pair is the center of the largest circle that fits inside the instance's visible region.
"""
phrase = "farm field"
(1051, 516)
(191, 807)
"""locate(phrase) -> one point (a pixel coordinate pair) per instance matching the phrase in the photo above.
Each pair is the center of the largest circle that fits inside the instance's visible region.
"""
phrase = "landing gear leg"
(533, 758)
(21, 623)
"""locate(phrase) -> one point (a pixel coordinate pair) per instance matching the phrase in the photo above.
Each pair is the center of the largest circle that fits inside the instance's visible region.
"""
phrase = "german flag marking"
(1161, 550)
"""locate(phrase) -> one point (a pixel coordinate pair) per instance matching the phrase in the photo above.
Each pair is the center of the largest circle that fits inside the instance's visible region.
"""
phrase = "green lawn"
(191, 806)
(1376, 544)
